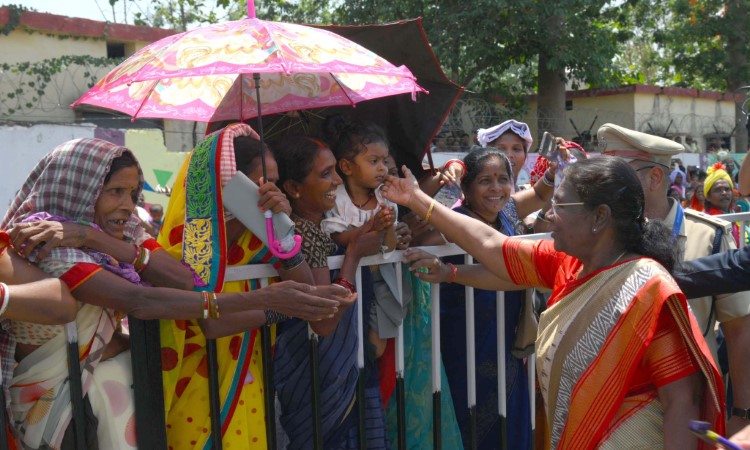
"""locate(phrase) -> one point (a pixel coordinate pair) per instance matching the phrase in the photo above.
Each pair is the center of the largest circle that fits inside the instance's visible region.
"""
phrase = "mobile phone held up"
(548, 147)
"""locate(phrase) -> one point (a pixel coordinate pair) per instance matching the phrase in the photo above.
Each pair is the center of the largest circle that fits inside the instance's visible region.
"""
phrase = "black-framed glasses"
(555, 205)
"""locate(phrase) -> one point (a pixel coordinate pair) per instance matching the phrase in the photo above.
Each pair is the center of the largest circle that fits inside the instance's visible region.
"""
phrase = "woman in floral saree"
(209, 242)
(620, 361)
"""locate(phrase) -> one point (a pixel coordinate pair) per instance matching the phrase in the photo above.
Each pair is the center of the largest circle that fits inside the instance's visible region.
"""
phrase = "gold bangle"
(429, 211)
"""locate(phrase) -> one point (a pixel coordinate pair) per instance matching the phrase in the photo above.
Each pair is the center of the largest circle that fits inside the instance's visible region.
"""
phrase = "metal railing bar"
(400, 391)
(471, 369)
(360, 359)
(435, 366)
(315, 391)
(502, 401)
(269, 397)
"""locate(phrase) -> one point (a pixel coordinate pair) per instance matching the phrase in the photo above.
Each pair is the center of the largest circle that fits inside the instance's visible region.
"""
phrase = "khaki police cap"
(631, 144)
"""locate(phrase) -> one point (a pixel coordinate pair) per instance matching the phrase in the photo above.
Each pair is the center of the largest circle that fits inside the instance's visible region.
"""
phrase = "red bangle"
(455, 161)
(346, 284)
(454, 273)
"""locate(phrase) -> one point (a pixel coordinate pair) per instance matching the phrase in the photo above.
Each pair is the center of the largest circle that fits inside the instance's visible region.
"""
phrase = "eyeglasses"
(555, 205)
(644, 168)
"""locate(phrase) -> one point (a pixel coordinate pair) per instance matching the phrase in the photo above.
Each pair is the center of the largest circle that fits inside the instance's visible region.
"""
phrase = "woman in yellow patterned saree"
(195, 231)
(620, 360)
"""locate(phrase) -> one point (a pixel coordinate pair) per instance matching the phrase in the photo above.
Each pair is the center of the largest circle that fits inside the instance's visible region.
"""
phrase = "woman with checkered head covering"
(74, 218)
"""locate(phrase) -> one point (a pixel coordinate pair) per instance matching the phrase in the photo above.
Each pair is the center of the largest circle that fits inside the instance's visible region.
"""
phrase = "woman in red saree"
(620, 361)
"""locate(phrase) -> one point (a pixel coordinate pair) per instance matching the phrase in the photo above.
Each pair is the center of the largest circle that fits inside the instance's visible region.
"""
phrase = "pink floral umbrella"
(206, 74)
(246, 68)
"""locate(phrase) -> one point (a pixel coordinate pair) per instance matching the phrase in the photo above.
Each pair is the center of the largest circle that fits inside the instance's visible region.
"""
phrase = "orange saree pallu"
(606, 343)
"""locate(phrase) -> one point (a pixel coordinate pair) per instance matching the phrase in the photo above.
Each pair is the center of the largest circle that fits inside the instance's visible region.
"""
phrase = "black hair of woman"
(612, 182)
(475, 160)
(296, 160)
(122, 162)
(247, 150)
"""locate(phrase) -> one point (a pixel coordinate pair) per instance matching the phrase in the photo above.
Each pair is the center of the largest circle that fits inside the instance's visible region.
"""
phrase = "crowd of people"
(624, 359)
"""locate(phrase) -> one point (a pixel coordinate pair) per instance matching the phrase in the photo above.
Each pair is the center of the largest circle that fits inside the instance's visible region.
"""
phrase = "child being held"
(361, 150)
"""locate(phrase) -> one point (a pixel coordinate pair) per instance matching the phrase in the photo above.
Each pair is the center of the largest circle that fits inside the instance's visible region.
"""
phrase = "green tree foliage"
(512, 47)
(701, 44)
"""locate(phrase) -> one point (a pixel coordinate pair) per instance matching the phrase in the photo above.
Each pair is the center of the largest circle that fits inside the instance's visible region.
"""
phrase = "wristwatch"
(743, 413)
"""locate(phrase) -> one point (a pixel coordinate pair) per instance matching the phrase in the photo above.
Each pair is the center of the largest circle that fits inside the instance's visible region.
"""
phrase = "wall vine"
(14, 22)
(46, 84)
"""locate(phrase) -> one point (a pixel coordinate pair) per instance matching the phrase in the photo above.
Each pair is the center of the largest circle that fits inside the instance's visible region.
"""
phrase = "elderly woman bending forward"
(620, 361)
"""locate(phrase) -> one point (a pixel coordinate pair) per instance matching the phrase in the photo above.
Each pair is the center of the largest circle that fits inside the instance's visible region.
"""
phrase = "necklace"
(476, 214)
(618, 258)
(370, 197)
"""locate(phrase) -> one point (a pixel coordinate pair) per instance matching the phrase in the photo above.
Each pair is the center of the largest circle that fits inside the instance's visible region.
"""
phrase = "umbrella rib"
(145, 99)
(343, 89)
(272, 37)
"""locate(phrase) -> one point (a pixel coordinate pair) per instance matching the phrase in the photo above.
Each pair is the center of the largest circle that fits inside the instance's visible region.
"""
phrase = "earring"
(296, 195)
(593, 230)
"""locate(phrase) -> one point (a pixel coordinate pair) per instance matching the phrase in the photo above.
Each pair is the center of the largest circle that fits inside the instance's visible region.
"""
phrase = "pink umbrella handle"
(251, 9)
(274, 245)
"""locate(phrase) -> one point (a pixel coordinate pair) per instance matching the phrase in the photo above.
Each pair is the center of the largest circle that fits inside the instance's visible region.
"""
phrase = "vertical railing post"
(437, 437)
(148, 390)
(471, 380)
(360, 364)
(502, 401)
(531, 371)
(75, 386)
(214, 396)
(269, 393)
(400, 392)
(315, 391)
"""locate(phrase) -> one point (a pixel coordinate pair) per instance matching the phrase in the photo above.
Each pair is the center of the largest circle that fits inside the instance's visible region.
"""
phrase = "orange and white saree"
(605, 344)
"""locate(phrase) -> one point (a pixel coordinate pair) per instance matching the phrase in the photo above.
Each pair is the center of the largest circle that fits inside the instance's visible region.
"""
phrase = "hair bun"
(335, 125)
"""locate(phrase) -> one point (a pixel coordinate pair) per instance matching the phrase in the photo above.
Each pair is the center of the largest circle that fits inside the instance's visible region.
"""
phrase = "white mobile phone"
(241, 199)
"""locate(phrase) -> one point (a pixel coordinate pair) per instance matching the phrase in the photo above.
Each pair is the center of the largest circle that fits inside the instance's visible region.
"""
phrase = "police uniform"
(696, 231)
(697, 236)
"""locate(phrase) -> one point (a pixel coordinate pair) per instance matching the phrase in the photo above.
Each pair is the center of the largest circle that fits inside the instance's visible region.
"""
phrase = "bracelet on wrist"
(293, 262)
(455, 161)
(546, 180)
(5, 297)
(273, 317)
(429, 211)
(454, 273)
(346, 284)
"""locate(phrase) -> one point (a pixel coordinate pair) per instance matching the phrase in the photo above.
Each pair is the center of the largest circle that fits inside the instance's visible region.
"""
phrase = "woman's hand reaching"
(45, 235)
(305, 301)
(427, 266)
(400, 190)
(403, 235)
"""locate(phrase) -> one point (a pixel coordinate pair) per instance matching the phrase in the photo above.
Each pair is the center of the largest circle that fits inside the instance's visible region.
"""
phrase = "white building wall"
(22, 147)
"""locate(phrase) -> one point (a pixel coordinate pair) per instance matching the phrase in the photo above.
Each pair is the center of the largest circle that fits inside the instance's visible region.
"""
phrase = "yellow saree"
(199, 240)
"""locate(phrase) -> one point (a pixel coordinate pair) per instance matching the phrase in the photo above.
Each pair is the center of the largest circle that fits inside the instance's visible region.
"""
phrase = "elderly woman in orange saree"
(620, 360)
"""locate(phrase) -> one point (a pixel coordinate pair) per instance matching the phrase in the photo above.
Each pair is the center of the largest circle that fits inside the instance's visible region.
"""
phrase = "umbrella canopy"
(410, 125)
(206, 74)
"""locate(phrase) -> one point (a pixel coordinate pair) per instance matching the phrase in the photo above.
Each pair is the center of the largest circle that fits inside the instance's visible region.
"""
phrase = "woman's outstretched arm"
(162, 270)
(33, 295)
(479, 240)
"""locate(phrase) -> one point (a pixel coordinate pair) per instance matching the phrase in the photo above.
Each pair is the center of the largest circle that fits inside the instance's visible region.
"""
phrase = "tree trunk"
(737, 16)
(551, 85)
(550, 99)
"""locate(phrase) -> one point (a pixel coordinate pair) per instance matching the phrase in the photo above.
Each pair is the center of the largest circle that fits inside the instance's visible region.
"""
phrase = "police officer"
(699, 235)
